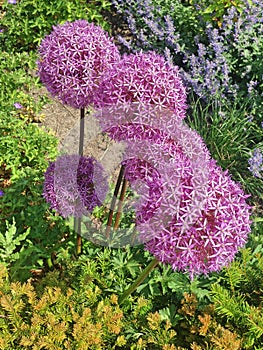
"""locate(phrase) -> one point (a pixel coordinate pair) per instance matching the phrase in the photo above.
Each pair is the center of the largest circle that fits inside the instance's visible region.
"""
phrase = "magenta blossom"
(146, 79)
(190, 214)
(18, 105)
(73, 59)
(165, 161)
(213, 239)
(74, 185)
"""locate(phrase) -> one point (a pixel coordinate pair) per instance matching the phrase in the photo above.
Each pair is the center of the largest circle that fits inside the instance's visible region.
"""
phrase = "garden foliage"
(25, 23)
(51, 299)
(220, 65)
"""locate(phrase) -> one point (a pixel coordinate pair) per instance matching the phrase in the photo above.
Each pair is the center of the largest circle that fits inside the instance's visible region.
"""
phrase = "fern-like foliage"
(238, 298)
(10, 241)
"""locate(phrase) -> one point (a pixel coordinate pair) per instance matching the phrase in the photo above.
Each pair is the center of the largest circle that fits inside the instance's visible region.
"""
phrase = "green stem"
(77, 221)
(113, 201)
(81, 131)
(120, 204)
(139, 280)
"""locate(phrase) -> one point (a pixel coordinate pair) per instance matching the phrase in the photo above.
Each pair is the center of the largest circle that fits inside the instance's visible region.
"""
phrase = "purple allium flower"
(256, 163)
(18, 105)
(172, 184)
(1, 193)
(74, 185)
(13, 2)
(215, 237)
(73, 59)
(164, 155)
(193, 228)
(146, 79)
(190, 213)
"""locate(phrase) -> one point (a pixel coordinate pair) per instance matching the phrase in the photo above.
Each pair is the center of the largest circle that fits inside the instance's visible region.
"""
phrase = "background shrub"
(25, 23)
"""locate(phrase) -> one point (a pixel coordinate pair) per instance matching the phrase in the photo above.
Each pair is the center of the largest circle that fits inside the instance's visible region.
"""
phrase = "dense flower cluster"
(146, 79)
(168, 176)
(73, 59)
(214, 237)
(74, 185)
(166, 164)
(190, 214)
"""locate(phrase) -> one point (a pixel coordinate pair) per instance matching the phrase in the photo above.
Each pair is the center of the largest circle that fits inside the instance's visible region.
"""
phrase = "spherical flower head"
(74, 185)
(190, 214)
(169, 182)
(215, 237)
(166, 164)
(147, 79)
(73, 59)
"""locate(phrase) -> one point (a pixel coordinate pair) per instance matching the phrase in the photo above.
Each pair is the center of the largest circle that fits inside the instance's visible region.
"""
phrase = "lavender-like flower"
(73, 59)
(232, 55)
(146, 79)
(256, 163)
(74, 185)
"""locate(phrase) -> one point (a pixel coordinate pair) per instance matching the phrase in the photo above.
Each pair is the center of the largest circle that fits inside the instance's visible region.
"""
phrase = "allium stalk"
(139, 280)
(77, 221)
(114, 200)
